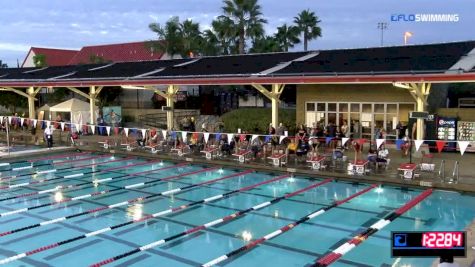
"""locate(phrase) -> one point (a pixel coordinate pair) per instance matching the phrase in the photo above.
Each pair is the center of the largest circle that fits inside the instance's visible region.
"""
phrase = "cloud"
(14, 47)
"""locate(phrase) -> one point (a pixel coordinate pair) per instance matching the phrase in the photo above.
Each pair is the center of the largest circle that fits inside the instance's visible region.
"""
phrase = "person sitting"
(256, 147)
(291, 148)
(153, 137)
(140, 139)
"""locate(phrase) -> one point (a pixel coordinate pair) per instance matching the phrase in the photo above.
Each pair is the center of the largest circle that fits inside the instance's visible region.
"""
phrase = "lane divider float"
(206, 225)
(336, 254)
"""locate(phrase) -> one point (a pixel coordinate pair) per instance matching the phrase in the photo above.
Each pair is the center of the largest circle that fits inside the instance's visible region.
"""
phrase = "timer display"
(428, 244)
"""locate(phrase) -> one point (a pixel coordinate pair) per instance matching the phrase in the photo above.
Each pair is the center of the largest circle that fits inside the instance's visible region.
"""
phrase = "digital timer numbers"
(442, 239)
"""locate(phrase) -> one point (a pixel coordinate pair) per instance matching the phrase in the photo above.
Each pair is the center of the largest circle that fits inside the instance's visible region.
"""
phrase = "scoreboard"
(428, 244)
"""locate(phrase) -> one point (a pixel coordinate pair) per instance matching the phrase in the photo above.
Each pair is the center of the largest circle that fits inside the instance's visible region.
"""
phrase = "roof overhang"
(248, 80)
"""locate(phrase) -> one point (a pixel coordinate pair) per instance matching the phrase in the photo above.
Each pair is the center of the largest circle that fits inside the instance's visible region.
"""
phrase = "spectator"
(281, 129)
(48, 135)
(356, 129)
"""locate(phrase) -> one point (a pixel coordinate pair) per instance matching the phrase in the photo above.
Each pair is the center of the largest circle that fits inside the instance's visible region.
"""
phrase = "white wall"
(29, 60)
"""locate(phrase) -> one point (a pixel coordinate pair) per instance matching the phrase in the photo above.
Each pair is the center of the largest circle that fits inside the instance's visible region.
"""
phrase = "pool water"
(37, 189)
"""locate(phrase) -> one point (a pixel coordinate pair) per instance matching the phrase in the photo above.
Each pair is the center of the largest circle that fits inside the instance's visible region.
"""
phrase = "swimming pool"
(79, 209)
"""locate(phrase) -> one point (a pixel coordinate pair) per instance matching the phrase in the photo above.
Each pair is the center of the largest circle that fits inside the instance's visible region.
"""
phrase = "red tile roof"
(125, 52)
(54, 57)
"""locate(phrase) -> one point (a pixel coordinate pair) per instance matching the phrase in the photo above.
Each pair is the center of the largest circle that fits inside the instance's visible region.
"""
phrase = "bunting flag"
(34, 123)
(267, 139)
(440, 145)
(379, 142)
(218, 136)
(239, 130)
(22, 121)
(361, 141)
(230, 137)
(183, 135)
(1, 119)
(286, 133)
(344, 140)
(463, 146)
(173, 134)
(93, 129)
(164, 133)
(116, 130)
(144, 131)
(62, 126)
(242, 137)
(254, 136)
(126, 131)
(418, 144)
(328, 140)
(206, 135)
(10, 120)
(48, 124)
(77, 127)
(282, 137)
(399, 143)
(84, 128)
(134, 130)
(108, 130)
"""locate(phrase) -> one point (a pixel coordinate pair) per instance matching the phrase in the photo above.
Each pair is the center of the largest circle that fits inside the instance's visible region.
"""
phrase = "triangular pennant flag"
(108, 130)
(440, 145)
(126, 131)
(78, 127)
(9, 119)
(48, 124)
(34, 123)
(164, 133)
(242, 137)
(267, 139)
(173, 134)
(230, 137)
(93, 129)
(218, 136)
(282, 137)
(254, 136)
(133, 130)
(62, 126)
(183, 135)
(418, 144)
(116, 130)
(22, 120)
(463, 146)
(286, 133)
(344, 140)
(328, 139)
(206, 135)
(399, 143)
(144, 131)
(1, 119)
(379, 142)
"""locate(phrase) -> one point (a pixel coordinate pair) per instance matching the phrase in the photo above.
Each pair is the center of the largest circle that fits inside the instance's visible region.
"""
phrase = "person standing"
(49, 136)
(356, 130)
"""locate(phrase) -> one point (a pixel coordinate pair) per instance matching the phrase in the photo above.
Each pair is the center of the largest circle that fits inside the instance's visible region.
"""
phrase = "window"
(343, 107)
(331, 106)
(310, 106)
(321, 107)
(355, 107)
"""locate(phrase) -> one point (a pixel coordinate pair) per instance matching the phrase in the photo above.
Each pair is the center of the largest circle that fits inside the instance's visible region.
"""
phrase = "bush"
(250, 119)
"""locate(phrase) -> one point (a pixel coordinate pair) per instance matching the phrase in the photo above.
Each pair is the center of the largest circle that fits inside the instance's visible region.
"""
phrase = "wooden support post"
(92, 104)
(31, 103)
(274, 97)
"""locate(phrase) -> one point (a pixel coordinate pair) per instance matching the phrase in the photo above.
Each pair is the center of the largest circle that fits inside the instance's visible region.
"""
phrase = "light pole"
(382, 26)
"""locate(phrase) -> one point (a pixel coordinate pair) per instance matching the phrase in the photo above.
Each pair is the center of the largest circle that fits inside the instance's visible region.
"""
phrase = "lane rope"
(337, 253)
(285, 228)
(94, 233)
(209, 224)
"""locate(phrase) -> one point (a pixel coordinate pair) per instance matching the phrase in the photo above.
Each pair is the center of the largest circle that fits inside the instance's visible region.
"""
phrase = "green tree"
(190, 37)
(247, 18)
(12, 101)
(39, 61)
(93, 59)
(307, 22)
(3, 65)
(169, 36)
(266, 44)
(287, 36)
(109, 95)
(226, 33)
(210, 44)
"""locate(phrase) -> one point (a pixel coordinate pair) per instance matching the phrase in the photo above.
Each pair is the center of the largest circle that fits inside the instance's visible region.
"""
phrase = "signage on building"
(180, 96)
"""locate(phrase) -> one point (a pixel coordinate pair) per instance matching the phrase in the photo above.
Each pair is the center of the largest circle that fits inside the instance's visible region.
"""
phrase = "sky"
(344, 23)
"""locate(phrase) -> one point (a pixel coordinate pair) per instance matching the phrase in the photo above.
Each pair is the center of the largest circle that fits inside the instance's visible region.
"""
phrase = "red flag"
(195, 136)
(242, 137)
(361, 141)
(440, 145)
(116, 130)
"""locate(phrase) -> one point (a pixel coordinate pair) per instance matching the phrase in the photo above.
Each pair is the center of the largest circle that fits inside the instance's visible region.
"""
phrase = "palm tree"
(266, 44)
(210, 45)
(226, 33)
(191, 37)
(171, 41)
(247, 18)
(307, 23)
(287, 36)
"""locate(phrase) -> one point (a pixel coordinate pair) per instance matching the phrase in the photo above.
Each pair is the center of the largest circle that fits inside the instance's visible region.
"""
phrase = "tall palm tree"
(191, 38)
(169, 36)
(247, 18)
(210, 45)
(287, 36)
(308, 24)
(266, 44)
(226, 33)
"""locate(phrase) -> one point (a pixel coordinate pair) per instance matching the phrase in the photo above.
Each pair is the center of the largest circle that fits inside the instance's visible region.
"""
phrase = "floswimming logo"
(425, 17)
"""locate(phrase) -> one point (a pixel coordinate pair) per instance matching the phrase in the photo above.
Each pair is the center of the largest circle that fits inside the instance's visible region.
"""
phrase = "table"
(408, 170)
(316, 162)
(359, 166)
(277, 159)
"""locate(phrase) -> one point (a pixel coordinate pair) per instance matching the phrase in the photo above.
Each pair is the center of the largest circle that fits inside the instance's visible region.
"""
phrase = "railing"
(442, 171)
(455, 174)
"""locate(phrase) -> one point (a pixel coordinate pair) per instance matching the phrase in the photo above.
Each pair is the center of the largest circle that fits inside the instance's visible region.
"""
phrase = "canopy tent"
(78, 109)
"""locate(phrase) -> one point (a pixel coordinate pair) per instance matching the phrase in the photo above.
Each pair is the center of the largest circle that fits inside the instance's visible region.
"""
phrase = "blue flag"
(218, 136)
(267, 139)
(328, 139)
(133, 130)
(399, 143)
(173, 134)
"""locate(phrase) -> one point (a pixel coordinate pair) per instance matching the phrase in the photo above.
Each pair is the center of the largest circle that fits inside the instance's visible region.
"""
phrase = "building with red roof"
(53, 56)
